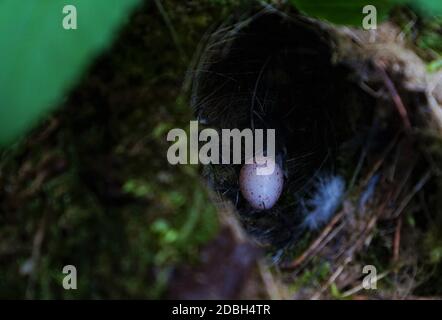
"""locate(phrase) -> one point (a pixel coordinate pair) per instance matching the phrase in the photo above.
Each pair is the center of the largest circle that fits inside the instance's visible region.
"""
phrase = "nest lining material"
(263, 73)
(342, 106)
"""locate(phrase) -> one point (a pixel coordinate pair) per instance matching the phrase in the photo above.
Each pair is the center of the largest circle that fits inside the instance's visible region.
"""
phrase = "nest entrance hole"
(274, 71)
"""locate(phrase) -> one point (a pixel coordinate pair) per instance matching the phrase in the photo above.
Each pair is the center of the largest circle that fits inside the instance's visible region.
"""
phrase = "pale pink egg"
(261, 190)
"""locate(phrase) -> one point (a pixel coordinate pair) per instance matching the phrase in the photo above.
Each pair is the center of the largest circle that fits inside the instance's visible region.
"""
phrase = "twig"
(397, 240)
(359, 239)
(394, 95)
(312, 248)
(359, 287)
(421, 183)
(381, 160)
(330, 280)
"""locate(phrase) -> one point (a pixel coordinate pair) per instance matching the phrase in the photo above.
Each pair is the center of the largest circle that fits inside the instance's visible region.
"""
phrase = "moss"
(93, 181)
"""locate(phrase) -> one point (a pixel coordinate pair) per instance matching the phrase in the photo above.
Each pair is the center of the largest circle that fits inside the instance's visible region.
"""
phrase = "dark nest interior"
(339, 109)
(270, 70)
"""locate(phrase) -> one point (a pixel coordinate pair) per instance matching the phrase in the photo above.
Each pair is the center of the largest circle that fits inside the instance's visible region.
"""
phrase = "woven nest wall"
(358, 126)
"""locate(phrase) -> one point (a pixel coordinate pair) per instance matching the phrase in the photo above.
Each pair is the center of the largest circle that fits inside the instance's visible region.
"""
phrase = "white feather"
(328, 195)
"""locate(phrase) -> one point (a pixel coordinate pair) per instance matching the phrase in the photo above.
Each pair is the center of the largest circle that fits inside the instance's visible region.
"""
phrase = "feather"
(328, 195)
(368, 192)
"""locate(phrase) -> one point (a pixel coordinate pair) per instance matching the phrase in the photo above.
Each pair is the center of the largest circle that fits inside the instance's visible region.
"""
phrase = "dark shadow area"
(272, 71)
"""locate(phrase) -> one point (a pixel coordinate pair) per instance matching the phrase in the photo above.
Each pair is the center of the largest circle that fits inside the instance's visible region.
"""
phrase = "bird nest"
(358, 126)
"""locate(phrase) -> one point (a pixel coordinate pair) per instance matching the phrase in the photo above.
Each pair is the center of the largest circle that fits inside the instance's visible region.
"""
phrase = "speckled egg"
(261, 191)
